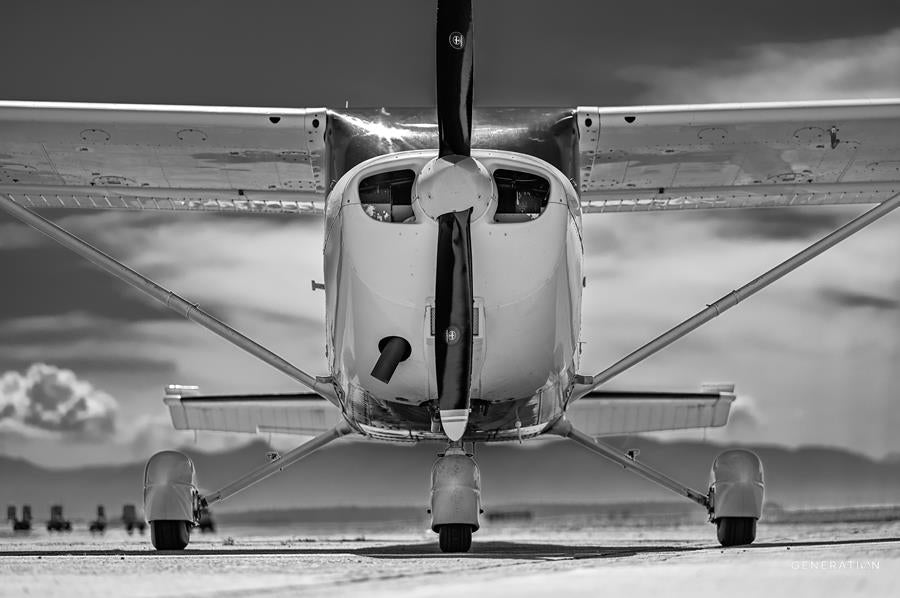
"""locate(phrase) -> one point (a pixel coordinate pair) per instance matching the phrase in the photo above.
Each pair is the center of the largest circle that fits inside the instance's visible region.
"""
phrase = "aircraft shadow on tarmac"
(480, 550)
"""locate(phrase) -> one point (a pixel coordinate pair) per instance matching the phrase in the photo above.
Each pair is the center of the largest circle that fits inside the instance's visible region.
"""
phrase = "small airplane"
(452, 256)
(19, 525)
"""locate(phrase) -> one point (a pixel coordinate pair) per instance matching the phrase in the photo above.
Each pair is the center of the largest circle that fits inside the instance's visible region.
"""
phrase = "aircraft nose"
(453, 184)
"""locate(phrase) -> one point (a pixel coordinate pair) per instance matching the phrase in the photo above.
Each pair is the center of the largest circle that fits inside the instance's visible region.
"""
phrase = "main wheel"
(455, 537)
(170, 535)
(736, 531)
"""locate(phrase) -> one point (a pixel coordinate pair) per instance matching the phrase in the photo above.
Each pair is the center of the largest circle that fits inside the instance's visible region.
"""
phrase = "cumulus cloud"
(149, 434)
(261, 288)
(51, 416)
(859, 67)
(746, 425)
(801, 347)
(745, 419)
(50, 399)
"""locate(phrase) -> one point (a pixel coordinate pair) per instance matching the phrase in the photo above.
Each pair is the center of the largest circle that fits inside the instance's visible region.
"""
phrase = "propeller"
(453, 295)
(453, 321)
(454, 76)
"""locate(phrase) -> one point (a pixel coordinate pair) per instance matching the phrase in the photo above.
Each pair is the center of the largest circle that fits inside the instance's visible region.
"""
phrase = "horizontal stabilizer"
(295, 413)
(610, 413)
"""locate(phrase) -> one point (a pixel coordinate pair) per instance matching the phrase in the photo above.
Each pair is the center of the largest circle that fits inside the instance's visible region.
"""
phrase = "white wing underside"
(62, 155)
(739, 155)
(273, 159)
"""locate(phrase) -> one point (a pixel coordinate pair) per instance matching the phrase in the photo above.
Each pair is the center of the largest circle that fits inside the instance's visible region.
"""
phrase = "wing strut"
(564, 428)
(588, 383)
(278, 464)
(321, 386)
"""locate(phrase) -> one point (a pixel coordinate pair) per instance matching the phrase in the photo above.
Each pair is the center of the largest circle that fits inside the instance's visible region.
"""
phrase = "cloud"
(859, 67)
(149, 434)
(856, 299)
(745, 419)
(51, 416)
(780, 224)
(797, 354)
(746, 424)
(18, 236)
(47, 280)
(49, 399)
(252, 273)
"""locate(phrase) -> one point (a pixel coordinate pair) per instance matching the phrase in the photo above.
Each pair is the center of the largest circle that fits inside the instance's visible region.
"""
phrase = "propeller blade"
(453, 298)
(454, 76)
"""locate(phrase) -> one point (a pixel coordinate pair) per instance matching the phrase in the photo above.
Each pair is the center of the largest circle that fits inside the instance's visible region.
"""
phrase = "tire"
(170, 535)
(736, 531)
(455, 537)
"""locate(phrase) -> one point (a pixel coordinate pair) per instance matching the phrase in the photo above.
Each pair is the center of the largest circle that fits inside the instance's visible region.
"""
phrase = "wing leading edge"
(738, 155)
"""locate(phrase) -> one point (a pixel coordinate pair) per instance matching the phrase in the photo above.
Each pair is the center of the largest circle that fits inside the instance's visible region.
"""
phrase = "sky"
(83, 359)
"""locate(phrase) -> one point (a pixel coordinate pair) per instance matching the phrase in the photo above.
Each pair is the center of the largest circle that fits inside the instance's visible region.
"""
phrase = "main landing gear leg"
(455, 498)
(173, 504)
(735, 497)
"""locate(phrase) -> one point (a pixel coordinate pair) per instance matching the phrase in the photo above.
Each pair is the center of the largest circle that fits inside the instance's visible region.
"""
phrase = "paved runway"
(795, 560)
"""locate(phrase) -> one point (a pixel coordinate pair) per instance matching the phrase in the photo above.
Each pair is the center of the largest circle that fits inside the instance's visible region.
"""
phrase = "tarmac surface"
(524, 558)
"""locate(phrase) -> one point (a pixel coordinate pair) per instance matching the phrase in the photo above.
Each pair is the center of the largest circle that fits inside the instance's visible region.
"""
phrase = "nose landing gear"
(455, 499)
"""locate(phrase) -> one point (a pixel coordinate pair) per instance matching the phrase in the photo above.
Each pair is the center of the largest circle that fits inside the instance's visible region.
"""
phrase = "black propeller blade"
(453, 295)
(453, 311)
(454, 76)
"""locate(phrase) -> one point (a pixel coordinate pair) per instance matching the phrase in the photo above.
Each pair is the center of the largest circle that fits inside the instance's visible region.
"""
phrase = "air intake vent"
(387, 196)
(521, 196)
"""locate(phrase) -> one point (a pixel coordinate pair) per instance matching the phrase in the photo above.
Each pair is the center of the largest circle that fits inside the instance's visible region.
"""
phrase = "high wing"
(75, 155)
(276, 159)
(306, 414)
(610, 413)
(738, 155)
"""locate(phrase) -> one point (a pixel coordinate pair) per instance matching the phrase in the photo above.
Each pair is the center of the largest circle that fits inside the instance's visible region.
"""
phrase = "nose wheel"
(455, 537)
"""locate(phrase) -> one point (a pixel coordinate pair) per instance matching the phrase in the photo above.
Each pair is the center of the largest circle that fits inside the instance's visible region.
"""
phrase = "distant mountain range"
(371, 474)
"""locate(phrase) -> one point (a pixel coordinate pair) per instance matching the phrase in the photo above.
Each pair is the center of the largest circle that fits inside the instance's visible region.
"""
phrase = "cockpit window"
(387, 196)
(521, 196)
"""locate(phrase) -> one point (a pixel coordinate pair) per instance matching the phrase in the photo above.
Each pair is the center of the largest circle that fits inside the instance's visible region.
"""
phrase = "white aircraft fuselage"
(527, 285)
